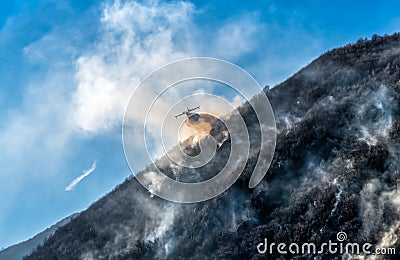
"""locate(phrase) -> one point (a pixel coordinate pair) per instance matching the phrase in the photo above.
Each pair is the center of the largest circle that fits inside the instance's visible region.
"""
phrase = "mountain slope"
(335, 169)
(18, 251)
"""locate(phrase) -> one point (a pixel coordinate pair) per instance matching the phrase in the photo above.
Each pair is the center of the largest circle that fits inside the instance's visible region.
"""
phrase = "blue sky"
(68, 66)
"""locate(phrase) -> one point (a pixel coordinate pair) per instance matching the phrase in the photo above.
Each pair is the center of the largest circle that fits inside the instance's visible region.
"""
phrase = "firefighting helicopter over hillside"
(201, 124)
(189, 114)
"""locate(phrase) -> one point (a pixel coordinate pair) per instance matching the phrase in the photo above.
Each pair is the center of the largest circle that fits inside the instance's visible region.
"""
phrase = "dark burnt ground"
(336, 168)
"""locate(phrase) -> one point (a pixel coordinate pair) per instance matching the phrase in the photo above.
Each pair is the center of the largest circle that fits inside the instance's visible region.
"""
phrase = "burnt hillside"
(335, 168)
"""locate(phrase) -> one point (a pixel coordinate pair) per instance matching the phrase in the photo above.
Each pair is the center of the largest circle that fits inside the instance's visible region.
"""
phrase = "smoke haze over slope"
(335, 168)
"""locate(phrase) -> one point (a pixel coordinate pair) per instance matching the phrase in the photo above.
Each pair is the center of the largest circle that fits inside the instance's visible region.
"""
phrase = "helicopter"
(188, 113)
(203, 124)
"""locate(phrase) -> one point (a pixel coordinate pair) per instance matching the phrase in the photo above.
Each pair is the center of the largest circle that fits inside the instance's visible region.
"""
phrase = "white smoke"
(374, 197)
(164, 223)
(371, 132)
(337, 196)
(287, 122)
(390, 236)
(135, 39)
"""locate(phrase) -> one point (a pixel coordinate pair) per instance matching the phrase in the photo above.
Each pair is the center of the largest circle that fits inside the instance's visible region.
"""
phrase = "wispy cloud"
(77, 180)
(128, 49)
